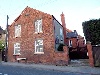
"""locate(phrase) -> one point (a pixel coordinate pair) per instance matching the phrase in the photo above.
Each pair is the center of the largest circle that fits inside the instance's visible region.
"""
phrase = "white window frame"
(38, 26)
(40, 43)
(17, 30)
(16, 49)
(70, 43)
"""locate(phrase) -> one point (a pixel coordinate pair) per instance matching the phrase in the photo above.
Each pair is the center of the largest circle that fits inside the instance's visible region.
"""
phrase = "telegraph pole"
(6, 40)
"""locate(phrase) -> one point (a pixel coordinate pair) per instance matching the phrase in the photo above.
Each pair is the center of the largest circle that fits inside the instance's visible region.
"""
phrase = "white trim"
(17, 45)
(38, 32)
(38, 43)
(39, 53)
(70, 43)
(17, 30)
(38, 26)
(17, 54)
(21, 58)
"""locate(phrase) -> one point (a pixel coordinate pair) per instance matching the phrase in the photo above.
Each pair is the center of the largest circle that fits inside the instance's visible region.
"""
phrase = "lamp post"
(6, 46)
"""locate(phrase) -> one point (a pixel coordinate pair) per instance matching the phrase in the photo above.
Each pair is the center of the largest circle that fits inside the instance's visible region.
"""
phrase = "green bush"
(2, 46)
(60, 47)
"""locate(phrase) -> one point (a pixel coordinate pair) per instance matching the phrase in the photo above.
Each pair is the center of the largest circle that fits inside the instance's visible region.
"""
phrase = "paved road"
(18, 70)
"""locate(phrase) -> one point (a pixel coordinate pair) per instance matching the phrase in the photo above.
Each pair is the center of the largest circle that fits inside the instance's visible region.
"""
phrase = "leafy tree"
(2, 45)
(91, 31)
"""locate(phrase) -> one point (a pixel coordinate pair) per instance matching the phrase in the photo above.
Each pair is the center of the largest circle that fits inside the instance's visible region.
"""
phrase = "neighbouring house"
(72, 38)
(81, 41)
(36, 35)
(76, 44)
(2, 43)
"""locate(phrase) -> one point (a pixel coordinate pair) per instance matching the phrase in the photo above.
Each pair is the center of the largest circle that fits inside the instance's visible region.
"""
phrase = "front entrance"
(78, 56)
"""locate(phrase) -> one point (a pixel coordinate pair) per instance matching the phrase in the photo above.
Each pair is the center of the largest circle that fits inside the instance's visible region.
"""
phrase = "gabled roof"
(72, 34)
(29, 9)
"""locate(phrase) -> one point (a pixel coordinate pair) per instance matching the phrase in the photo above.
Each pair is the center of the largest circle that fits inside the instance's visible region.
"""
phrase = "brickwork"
(58, 57)
(81, 41)
(28, 37)
(74, 42)
(90, 54)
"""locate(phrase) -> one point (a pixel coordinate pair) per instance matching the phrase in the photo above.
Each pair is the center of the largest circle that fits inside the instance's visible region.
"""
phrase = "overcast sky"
(76, 11)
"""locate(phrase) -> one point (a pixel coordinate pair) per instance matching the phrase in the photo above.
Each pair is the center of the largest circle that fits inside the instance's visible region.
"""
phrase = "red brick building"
(74, 40)
(36, 35)
(81, 41)
(76, 44)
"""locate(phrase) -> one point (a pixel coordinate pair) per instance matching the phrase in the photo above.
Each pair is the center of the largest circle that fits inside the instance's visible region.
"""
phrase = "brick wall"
(28, 37)
(62, 58)
(74, 42)
(90, 54)
(81, 42)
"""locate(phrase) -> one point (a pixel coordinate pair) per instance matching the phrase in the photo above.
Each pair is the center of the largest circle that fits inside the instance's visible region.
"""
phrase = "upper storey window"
(18, 31)
(38, 26)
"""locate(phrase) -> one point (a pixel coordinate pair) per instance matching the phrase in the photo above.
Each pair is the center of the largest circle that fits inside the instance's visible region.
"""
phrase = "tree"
(2, 45)
(91, 31)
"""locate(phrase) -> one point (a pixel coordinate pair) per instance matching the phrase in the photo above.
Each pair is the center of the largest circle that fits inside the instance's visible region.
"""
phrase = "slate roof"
(72, 34)
(1, 30)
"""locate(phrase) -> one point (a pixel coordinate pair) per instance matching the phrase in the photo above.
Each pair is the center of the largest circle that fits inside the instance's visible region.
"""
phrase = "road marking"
(5, 74)
(0, 73)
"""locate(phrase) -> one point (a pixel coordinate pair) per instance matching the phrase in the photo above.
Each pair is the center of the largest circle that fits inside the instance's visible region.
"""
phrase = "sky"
(76, 11)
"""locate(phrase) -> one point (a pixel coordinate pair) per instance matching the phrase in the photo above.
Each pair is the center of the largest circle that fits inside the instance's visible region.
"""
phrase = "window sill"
(17, 37)
(39, 53)
(38, 32)
(16, 54)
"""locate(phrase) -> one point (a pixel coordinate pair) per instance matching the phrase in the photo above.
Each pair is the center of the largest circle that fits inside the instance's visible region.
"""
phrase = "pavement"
(69, 68)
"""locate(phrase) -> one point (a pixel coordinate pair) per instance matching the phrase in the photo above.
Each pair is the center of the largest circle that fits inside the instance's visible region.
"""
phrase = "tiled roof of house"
(72, 34)
(1, 30)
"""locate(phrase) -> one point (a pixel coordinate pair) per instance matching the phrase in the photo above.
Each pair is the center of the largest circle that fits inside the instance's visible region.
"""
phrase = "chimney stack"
(64, 27)
(63, 20)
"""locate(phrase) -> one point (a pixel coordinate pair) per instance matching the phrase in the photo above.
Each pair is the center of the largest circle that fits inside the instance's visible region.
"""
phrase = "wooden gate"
(96, 55)
(78, 53)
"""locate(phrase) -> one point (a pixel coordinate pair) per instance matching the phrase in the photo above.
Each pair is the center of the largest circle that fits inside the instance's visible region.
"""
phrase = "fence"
(96, 55)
